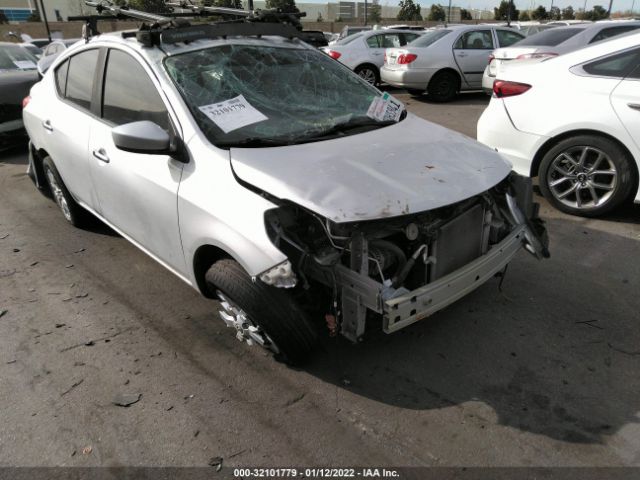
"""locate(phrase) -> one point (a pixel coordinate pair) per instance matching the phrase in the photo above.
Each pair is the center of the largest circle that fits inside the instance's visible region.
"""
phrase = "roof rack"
(173, 28)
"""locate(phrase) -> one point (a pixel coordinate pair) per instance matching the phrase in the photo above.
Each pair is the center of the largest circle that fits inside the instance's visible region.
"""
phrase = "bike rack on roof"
(173, 28)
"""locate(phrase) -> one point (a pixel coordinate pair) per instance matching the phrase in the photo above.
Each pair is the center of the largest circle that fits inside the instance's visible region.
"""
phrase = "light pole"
(609, 11)
(584, 11)
(448, 15)
(44, 18)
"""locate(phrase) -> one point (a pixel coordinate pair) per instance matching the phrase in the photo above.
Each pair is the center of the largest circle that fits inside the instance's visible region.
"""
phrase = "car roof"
(600, 49)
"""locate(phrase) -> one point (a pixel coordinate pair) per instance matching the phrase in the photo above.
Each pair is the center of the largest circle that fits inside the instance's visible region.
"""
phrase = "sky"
(520, 4)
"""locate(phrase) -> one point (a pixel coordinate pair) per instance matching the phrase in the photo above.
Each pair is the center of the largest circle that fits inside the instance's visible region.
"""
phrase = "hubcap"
(246, 331)
(58, 195)
(368, 75)
(582, 177)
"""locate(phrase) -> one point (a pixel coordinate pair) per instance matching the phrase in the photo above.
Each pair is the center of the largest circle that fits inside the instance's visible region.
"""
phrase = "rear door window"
(392, 40)
(80, 77)
(61, 78)
(475, 40)
(129, 94)
(507, 38)
(374, 41)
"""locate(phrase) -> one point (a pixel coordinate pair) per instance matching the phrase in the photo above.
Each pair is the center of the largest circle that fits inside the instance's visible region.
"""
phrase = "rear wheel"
(369, 74)
(260, 314)
(71, 210)
(586, 175)
(444, 86)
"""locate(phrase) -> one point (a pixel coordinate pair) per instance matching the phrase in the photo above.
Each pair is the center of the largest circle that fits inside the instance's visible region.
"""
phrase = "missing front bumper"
(402, 311)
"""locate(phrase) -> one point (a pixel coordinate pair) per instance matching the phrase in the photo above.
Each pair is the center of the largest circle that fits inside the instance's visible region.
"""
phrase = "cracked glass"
(303, 93)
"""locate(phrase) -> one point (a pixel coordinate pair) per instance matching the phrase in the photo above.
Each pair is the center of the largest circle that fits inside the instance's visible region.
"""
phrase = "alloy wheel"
(582, 177)
(58, 195)
(368, 75)
(246, 330)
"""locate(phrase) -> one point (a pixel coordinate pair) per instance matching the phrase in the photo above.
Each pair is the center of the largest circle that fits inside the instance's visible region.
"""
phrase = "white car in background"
(556, 41)
(574, 122)
(364, 52)
(445, 61)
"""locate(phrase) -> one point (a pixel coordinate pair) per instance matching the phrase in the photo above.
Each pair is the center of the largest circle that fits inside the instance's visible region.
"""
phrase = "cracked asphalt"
(542, 373)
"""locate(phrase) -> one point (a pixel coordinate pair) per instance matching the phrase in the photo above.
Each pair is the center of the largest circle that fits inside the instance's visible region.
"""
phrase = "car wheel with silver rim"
(369, 74)
(261, 315)
(71, 210)
(586, 175)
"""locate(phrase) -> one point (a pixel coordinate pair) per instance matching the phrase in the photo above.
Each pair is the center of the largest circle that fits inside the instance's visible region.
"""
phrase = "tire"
(570, 181)
(71, 210)
(444, 86)
(414, 92)
(270, 309)
(369, 74)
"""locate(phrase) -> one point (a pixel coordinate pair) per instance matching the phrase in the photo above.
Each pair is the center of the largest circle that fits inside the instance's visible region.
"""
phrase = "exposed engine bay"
(405, 267)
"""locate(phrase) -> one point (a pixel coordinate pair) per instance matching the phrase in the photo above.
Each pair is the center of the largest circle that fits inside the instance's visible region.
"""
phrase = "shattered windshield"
(254, 95)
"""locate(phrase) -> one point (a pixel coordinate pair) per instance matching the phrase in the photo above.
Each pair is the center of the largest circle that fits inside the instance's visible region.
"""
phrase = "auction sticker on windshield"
(385, 108)
(233, 114)
(24, 64)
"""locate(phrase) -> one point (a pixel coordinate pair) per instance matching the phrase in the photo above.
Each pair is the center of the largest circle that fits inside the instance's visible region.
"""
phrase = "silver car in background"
(445, 61)
(551, 43)
(364, 52)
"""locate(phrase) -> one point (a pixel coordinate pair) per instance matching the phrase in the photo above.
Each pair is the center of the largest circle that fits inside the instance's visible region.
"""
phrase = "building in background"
(56, 10)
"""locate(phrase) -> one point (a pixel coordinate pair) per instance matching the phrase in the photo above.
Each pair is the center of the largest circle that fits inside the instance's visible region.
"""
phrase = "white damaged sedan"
(254, 167)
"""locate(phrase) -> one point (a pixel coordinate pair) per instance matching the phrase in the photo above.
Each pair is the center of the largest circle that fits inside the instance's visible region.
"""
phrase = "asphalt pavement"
(544, 372)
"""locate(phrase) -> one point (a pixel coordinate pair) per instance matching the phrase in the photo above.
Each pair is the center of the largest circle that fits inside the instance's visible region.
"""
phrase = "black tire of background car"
(414, 92)
(271, 308)
(626, 173)
(79, 217)
(363, 68)
(443, 87)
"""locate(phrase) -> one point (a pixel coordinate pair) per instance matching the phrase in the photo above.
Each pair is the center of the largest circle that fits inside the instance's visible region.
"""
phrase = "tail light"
(26, 100)
(333, 54)
(406, 58)
(502, 88)
(527, 56)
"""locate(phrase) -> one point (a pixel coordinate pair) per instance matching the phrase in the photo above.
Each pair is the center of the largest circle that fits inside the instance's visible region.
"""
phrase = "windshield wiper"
(254, 142)
(339, 128)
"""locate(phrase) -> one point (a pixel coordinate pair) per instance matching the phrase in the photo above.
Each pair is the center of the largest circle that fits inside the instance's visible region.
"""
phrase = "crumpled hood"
(409, 167)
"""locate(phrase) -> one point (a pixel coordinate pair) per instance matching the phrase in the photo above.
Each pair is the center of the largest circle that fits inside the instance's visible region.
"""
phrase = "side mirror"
(142, 137)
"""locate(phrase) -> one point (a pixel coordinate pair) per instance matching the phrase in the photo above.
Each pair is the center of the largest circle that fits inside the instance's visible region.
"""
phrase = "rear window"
(14, 57)
(612, 32)
(550, 38)
(429, 38)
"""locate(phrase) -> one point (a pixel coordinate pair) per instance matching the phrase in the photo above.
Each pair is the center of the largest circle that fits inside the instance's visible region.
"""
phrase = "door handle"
(376, 53)
(101, 155)
(47, 125)
(635, 106)
(462, 54)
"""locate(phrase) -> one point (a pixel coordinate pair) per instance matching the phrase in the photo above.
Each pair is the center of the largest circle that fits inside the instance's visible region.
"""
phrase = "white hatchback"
(574, 122)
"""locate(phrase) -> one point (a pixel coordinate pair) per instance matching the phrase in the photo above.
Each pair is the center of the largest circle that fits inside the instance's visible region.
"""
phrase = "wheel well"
(450, 70)
(205, 256)
(549, 144)
(38, 156)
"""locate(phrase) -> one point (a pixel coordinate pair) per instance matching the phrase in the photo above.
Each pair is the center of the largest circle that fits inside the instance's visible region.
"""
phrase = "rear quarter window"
(620, 65)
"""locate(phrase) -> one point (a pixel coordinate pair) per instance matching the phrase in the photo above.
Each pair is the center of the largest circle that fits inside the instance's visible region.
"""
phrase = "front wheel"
(586, 175)
(369, 74)
(261, 315)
